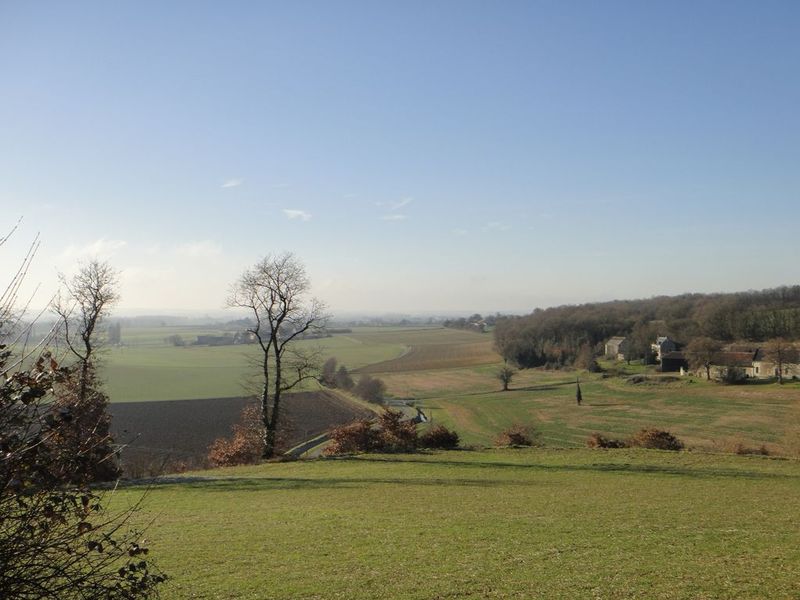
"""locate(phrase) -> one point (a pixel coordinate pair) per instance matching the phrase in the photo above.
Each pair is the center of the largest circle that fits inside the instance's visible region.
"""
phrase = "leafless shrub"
(517, 435)
(655, 439)
(597, 440)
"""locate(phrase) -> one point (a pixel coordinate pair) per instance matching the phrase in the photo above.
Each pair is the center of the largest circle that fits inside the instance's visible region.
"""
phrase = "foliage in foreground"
(56, 538)
(245, 445)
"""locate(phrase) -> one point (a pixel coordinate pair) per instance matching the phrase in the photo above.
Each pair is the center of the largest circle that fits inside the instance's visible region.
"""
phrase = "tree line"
(557, 336)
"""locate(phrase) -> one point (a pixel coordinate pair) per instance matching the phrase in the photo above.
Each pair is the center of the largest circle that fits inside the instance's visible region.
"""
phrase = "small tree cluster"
(245, 444)
(336, 376)
(586, 360)
(517, 435)
(370, 389)
(392, 432)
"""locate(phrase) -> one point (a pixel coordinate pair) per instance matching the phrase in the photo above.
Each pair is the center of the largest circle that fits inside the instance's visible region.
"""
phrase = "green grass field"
(147, 368)
(491, 524)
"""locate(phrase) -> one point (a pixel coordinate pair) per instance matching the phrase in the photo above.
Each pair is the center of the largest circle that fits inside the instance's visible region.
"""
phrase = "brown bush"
(737, 445)
(655, 439)
(358, 436)
(390, 433)
(597, 440)
(516, 435)
(440, 437)
(397, 434)
(245, 446)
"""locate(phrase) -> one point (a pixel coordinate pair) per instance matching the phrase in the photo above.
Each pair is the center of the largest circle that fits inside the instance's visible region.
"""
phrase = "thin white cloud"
(497, 226)
(101, 248)
(393, 218)
(232, 183)
(295, 214)
(396, 204)
(400, 203)
(200, 249)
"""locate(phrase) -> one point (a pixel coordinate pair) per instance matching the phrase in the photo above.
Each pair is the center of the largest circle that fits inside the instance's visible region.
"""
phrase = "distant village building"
(763, 367)
(722, 361)
(662, 345)
(616, 348)
(674, 362)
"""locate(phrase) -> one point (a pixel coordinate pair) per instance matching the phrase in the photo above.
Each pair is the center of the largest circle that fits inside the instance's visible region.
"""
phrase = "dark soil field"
(173, 435)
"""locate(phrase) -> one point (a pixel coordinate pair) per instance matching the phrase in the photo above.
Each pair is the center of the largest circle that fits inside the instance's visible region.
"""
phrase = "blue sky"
(417, 156)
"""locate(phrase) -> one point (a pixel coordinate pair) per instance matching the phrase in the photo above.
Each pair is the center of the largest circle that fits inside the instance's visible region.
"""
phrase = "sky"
(448, 156)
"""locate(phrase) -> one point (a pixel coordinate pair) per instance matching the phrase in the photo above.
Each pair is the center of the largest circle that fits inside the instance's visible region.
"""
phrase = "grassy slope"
(492, 524)
(703, 414)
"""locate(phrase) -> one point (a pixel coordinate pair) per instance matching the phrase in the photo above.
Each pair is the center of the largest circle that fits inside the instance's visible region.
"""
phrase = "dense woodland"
(557, 336)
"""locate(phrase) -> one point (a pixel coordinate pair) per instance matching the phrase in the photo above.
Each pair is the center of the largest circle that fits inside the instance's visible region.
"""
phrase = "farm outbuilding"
(662, 345)
(673, 362)
(616, 347)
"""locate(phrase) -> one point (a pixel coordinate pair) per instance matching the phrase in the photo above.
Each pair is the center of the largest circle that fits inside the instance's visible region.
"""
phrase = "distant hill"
(556, 335)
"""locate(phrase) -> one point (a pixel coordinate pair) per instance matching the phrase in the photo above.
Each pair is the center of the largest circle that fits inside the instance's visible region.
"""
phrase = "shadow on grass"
(258, 484)
(599, 467)
(500, 470)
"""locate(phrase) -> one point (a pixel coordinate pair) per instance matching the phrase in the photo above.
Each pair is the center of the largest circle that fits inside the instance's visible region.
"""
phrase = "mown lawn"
(490, 524)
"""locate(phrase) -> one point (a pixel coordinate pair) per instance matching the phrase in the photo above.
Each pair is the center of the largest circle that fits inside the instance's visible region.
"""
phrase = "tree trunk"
(708, 372)
(269, 443)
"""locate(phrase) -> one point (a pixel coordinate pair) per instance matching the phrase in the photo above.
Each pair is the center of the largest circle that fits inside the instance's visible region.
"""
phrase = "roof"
(733, 359)
(661, 339)
(616, 339)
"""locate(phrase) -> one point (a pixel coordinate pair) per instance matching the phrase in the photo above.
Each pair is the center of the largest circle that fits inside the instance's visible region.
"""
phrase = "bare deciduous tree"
(85, 301)
(781, 352)
(81, 306)
(504, 375)
(701, 352)
(275, 292)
